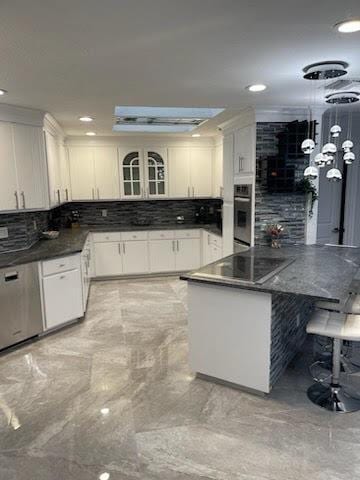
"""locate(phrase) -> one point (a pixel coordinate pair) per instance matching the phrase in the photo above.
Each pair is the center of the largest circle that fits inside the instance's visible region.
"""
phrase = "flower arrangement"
(275, 230)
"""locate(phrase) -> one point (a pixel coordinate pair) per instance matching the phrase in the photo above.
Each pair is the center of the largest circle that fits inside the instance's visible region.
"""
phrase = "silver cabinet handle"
(124, 249)
(208, 239)
(177, 245)
(98, 192)
(16, 200)
(193, 191)
(67, 194)
(119, 248)
(173, 245)
(58, 195)
(23, 200)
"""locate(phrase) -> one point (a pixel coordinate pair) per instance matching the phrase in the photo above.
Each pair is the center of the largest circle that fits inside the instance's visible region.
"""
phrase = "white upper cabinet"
(131, 173)
(179, 172)
(244, 150)
(156, 177)
(190, 172)
(218, 185)
(64, 174)
(201, 166)
(9, 199)
(106, 173)
(22, 167)
(53, 163)
(29, 156)
(82, 175)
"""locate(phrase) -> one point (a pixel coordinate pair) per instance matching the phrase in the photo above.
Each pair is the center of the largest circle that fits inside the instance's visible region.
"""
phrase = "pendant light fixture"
(331, 150)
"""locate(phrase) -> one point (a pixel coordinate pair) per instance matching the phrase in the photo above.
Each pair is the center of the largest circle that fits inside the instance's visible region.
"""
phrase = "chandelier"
(331, 151)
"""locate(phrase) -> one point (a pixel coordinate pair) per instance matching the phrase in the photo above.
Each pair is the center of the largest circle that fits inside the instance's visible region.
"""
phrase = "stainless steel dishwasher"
(20, 304)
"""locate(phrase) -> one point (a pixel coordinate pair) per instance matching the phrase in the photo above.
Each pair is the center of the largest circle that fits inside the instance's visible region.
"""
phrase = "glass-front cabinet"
(143, 173)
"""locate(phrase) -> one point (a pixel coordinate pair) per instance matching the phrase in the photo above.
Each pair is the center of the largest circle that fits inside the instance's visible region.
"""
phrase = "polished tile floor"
(112, 398)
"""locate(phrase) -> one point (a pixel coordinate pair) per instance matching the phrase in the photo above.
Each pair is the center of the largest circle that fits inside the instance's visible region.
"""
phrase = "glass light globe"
(334, 175)
(335, 131)
(308, 146)
(347, 145)
(349, 157)
(320, 160)
(329, 149)
(311, 173)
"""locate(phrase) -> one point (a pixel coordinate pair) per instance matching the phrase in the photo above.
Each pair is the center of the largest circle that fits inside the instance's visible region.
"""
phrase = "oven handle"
(242, 199)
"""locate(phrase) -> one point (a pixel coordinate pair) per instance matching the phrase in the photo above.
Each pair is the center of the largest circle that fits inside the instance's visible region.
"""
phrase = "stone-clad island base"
(245, 330)
(243, 337)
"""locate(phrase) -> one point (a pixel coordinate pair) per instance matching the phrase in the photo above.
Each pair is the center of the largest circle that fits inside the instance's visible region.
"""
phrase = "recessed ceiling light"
(90, 134)
(2, 91)
(348, 26)
(196, 135)
(86, 118)
(258, 87)
(104, 476)
(105, 411)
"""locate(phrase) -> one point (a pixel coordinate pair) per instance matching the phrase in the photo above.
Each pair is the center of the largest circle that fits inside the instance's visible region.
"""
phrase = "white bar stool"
(339, 327)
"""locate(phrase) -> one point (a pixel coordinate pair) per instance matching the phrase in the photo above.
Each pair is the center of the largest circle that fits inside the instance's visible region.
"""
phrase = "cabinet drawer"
(190, 233)
(215, 240)
(61, 264)
(127, 236)
(107, 237)
(161, 234)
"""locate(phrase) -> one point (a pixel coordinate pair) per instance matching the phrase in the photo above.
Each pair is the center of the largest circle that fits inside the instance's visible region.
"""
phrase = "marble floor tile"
(114, 395)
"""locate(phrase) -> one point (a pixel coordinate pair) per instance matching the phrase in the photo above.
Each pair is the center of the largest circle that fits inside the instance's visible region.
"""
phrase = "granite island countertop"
(72, 240)
(316, 271)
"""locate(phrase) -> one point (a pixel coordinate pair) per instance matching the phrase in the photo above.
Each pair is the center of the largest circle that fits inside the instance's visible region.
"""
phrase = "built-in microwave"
(242, 214)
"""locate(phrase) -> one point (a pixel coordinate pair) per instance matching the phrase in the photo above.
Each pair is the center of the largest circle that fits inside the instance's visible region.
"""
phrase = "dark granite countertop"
(71, 241)
(317, 271)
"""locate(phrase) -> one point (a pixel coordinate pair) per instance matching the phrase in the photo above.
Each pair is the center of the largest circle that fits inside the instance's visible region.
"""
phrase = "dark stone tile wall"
(21, 229)
(288, 209)
(287, 337)
(23, 234)
(156, 212)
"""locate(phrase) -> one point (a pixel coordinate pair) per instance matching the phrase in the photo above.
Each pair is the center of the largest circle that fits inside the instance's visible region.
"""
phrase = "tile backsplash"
(24, 227)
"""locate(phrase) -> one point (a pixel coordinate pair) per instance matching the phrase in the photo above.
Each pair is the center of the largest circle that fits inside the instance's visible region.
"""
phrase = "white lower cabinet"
(188, 254)
(62, 293)
(135, 257)
(108, 259)
(162, 255)
(211, 248)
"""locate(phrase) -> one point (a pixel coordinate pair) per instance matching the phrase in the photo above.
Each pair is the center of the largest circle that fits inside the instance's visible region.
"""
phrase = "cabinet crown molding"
(23, 115)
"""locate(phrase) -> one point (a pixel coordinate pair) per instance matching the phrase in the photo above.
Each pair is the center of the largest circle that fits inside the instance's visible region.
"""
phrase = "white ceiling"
(74, 57)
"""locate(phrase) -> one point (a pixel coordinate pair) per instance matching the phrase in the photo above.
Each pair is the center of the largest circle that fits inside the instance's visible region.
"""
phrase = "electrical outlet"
(35, 225)
(104, 212)
(4, 232)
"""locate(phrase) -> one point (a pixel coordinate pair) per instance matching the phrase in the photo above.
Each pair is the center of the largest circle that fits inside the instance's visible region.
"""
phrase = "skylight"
(161, 119)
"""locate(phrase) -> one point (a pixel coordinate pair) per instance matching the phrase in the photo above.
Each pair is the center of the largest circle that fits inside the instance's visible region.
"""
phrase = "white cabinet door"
(201, 171)
(206, 248)
(135, 257)
(216, 253)
(53, 163)
(82, 176)
(108, 258)
(65, 174)
(156, 173)
(218, 184)
(106, 173)
(131, 169)
(179, 172)
(8, 182)
(62, 297)
(30, 165)
(162, 255)
(244, 150)
(188, 254)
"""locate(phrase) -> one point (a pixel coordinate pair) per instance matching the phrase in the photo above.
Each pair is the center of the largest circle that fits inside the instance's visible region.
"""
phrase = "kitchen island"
(248, 312)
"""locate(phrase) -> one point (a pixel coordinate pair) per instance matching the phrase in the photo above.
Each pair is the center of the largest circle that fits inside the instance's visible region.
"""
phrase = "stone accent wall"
(23, 234)
(289, 316)
(288, 209)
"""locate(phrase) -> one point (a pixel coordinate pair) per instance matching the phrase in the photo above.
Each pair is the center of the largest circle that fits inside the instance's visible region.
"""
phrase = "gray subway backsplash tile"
(23, 234)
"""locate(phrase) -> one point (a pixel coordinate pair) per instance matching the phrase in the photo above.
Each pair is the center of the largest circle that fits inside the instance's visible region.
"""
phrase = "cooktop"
(249, 269)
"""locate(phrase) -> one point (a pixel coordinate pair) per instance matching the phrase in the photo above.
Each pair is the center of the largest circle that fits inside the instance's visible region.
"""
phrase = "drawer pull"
(62, 277)
(62, 265)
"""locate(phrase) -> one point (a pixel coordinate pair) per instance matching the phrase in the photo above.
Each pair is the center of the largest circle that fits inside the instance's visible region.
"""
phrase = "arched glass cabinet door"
(156, 173)
(131, 174)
